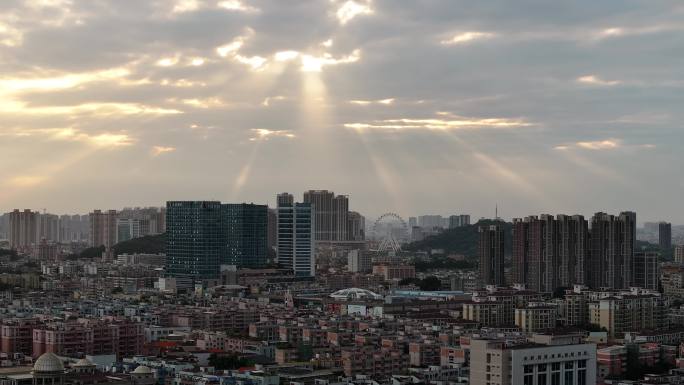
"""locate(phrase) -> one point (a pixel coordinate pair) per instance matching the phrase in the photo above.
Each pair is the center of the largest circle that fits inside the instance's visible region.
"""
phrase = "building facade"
(497, 362)
(195, 241)
(245, 227)
(331, 215)
(23, 229)
(665, 235)
(491, 250)
(296, 235)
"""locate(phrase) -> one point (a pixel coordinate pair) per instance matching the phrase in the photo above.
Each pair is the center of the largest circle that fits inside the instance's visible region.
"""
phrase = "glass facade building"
(296, 243)
(203, 235)
(195, 243)
(245, 227)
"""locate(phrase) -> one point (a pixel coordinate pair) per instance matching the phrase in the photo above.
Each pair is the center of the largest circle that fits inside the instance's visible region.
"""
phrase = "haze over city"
(413, 107)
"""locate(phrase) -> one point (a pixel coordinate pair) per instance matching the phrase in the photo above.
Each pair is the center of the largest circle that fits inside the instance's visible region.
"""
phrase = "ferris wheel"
(393, 230)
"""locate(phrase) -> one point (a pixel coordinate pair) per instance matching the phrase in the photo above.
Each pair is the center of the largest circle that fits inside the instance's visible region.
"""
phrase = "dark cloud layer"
(423, 106)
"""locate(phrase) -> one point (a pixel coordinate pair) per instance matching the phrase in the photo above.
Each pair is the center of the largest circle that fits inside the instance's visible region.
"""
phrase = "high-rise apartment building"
(679, 254)
(103, 229)
(203, 235)
(459, 221)
(549, 253)
(48, 227)
(4, 226)
(358, 261)
(296, 235)
(127, 229)
(245, 227)
(491, 251)
(331, 215)
(23, 229)
(665, 235)
(430, 221)
(74, 228)
(612, 250)
(646, 270)
(272, 229)
(194, 239)
(357, 227)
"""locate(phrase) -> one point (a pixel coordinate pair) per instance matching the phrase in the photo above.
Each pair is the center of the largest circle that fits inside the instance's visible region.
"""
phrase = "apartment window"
(569, 378)
(555, 366)
(528, 380)
(541, 367)
(582, 377)
(541, 379)
(569, 365)
(555, 378)
(489, 358)
(529, 369)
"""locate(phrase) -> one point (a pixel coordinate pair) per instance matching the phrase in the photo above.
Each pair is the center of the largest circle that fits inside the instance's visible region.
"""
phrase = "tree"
(408, 281)
(559, 292)
(430, 283)
(228, 362)
(305, 352)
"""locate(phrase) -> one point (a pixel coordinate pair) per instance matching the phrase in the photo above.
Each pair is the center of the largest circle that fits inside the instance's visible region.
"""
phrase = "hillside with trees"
(460, 240)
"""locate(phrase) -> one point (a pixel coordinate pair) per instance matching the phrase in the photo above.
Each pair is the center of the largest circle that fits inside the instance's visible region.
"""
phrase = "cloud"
(188, 6)
(182, 6)
(230, 48)
(267, 101)
(265, 134)
(99, 139)
(286, 55)
(385, 102)
(203, 103)
(254, 62)
(26, 181)
(351, 9)
(454, 122)
(60, 80)
(101, 110)
(311, 63)
(159, 150)
(237, 5)
(601, 145)
(467, 37)
(596, 81)
(609, 144)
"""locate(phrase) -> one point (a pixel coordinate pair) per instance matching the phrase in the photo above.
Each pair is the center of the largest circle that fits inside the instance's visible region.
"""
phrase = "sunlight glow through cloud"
(467, 37)
(312, 63)
(159, 150)
(351, 9)
(62, 81)
(454, 123)
(236, 5)
(385, 102)
(594, 80)
(265, 134)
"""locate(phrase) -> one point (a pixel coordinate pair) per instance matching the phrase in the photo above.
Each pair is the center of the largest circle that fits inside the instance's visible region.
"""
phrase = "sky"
(413, 107)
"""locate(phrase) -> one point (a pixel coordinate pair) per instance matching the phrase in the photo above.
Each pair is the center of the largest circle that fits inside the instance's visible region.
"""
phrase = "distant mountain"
(151, 244)
(460, 240)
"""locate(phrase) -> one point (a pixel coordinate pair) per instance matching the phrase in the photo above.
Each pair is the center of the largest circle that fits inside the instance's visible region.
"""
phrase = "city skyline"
(428, 107)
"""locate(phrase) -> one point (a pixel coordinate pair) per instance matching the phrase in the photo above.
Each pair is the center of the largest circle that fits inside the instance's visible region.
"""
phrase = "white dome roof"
(142, 369)
(83, 362)
(355, 293)
(48, 362)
